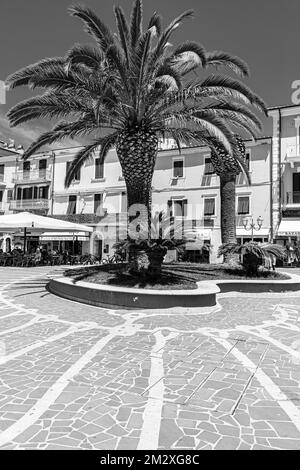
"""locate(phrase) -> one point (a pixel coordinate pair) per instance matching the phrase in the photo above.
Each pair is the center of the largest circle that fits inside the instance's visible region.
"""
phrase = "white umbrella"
(34, 222)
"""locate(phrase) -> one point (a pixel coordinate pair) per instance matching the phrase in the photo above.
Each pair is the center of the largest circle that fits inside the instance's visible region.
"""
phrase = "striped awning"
(289, 228)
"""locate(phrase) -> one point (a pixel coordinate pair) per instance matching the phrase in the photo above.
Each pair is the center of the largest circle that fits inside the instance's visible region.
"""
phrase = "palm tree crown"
(133, 88)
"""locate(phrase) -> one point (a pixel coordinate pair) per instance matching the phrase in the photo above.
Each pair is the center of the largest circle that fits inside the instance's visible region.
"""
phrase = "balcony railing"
(293, 152)
(28, 204)
(31, 176)
(293, 197)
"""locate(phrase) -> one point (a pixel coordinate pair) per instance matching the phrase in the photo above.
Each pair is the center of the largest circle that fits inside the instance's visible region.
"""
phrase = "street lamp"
(252, 225)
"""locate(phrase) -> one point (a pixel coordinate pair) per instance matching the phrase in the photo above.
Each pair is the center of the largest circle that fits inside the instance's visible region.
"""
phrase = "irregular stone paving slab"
(182, 380)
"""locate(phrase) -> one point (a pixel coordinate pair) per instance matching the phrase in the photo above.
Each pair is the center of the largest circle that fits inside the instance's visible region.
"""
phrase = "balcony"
(33, 176)
(293, 198)
(292, 154)
(29, 204)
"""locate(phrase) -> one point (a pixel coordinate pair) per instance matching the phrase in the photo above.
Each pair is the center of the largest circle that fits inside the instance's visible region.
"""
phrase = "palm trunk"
(156, 257)
(137, 150)
(228, 224)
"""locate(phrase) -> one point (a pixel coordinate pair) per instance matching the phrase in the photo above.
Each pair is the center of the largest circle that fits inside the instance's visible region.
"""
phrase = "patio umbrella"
(26, 220)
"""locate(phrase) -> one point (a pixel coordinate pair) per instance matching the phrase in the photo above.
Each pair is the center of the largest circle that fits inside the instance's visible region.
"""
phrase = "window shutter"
(208, 167)
(184, 208)
(170, 209)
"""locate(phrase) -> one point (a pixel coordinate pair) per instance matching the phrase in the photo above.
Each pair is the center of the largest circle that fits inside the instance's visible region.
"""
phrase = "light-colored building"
(184, 186)
(286, 174)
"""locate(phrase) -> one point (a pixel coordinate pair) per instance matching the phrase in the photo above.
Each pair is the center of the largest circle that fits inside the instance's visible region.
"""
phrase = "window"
(72, 205)
(26, 170)
(177, 207)
(177, 168)
(2, 172)
(99, 169)
(27, 193)
(43, 192)
(247, 158)
(77, 175)
(42, 168)
(243, 205)
(208, 167)
(1, 196)
(123, 202)
(209, 206)
(9, 194)
(98, 199)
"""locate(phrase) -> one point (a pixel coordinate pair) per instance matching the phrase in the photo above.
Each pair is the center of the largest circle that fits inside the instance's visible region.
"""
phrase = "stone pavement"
(76, 376)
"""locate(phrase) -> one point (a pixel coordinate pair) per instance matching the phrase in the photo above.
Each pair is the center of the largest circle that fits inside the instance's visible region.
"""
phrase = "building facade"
(286, 175)
(184, 186)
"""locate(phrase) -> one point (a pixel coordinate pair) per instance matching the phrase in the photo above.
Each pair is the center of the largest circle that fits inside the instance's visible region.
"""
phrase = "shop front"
(73, 243)
(288, 235)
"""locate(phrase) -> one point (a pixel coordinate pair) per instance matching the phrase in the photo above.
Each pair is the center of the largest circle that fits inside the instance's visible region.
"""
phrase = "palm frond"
(93, 25)
(156, 21)
(165, 35)
(189, 53)
(61, 131)
(49, 105)
(24, 75)
(80, 158)
(123, 31)
(84, 54)
(219, 58)
(136, 22)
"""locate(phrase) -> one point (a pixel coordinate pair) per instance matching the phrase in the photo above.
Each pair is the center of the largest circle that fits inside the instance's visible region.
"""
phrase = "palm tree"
(165, 235)
(132, 89)
(254, 254)
(227, 167)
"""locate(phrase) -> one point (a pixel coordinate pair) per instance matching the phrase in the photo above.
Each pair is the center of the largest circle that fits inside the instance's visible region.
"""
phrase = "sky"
(265, 33)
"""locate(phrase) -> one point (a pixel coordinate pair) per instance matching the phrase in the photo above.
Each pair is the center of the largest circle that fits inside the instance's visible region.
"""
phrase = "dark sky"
(265, 33)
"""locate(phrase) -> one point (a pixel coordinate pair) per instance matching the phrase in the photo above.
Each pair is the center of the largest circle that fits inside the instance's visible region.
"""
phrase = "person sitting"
(37, 256)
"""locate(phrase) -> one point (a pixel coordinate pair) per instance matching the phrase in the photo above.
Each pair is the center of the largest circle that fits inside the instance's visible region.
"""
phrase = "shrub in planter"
(253, 254)
(155, 245)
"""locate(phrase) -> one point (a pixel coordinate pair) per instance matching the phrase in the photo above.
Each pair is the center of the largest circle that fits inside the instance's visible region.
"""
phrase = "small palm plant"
(165, 235)
(132, 89)
(253, 254)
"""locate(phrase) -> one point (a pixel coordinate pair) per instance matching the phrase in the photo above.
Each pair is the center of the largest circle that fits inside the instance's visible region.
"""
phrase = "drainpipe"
(271, 193)
(52, 186)
(279, 156)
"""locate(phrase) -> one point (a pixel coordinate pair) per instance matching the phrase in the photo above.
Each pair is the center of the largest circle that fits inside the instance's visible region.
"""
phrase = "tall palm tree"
(132, 89)
(227, 167)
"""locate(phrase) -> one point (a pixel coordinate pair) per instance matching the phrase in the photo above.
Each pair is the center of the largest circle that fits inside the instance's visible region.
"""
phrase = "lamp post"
(252, 225)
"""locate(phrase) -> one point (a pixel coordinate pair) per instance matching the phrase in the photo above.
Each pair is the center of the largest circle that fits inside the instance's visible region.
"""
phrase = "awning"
(263, 232)
(63, 236)
(289, 228)
(38, 222)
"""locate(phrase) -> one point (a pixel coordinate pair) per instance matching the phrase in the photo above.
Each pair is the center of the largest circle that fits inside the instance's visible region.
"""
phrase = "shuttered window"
(72, 205)
(209, 206)
(178, 168)
(208, 167)
(2, 172)
(77, 175)
(99, 169)
(177, 207)
(243, 205)
(98, 199)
